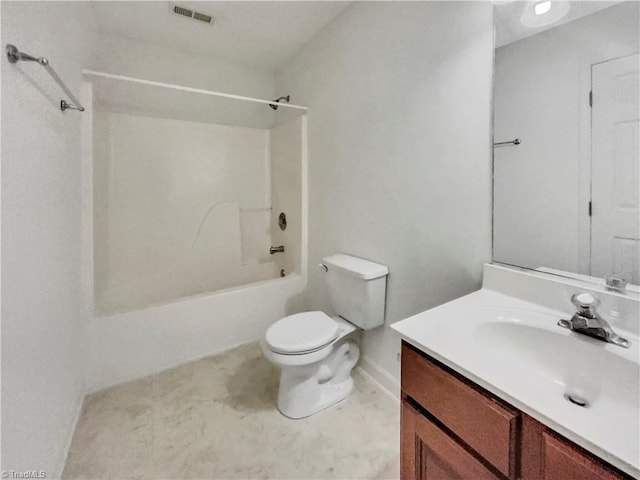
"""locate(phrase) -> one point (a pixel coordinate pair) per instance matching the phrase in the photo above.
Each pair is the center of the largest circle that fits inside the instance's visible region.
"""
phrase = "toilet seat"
(302, 333)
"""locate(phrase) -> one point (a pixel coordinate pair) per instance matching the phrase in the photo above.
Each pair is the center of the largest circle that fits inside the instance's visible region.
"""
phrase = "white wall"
(541, 96)
(286, 192)
(127, 57)
(399, 97)
(42, 307)
(169, 210)
(150, 62)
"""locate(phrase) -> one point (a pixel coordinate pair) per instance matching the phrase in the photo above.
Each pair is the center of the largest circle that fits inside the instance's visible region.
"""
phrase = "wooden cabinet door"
(546, 456)
(428, 453)
(471, 414)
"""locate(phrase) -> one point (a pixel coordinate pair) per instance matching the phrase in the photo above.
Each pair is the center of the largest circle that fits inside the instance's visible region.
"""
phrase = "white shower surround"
(180, 208)
(137, 343)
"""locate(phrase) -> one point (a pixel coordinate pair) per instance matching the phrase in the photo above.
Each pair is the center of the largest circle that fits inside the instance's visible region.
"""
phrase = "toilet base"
(293, 408)
(307, 390)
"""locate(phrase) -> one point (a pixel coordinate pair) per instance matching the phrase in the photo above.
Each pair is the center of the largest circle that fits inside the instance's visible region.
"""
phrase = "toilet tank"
(357, 289)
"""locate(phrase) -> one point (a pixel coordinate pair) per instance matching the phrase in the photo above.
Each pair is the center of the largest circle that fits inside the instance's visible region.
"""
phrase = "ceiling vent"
(187, 12)
(182, 11)
(202, 17)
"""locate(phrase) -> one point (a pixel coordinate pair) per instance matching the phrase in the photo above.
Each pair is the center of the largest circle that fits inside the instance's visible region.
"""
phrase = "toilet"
(315, 352)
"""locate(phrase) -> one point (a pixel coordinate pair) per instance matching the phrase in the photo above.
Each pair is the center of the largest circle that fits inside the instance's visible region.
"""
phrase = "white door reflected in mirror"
(615, 188)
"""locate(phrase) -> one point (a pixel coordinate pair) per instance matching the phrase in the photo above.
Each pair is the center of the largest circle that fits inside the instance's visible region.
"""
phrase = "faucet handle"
(616, 283)
(586, 303)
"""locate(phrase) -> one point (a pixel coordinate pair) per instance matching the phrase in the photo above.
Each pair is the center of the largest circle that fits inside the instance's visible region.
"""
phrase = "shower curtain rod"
(112, 76)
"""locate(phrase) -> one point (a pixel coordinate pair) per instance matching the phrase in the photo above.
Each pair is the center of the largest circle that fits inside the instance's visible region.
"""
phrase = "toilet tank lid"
(355, 266)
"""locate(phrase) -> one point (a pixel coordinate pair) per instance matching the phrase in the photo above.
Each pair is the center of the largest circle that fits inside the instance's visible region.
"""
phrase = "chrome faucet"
(589, 322)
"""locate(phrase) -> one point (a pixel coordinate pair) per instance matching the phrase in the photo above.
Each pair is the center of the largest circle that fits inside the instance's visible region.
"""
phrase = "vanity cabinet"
(454, 429)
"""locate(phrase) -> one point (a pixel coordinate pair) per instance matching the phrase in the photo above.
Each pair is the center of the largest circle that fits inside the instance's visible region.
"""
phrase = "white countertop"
(515, 350)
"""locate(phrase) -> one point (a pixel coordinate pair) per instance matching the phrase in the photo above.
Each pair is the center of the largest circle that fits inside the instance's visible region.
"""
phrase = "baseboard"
(380, 377)
(70, 432)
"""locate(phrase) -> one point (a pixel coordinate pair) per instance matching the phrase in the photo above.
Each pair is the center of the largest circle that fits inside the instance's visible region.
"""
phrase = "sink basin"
(586, 367)
(584, 388)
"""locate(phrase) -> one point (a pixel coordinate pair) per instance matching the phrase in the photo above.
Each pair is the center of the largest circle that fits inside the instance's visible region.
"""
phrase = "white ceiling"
(509, 28)
(261, 34)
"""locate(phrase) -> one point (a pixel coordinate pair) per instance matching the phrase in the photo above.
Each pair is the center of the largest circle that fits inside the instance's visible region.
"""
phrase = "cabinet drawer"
(562, 460)
(488, 427)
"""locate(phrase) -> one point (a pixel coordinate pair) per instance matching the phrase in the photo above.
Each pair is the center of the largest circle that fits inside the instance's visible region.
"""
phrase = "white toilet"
(315, 352)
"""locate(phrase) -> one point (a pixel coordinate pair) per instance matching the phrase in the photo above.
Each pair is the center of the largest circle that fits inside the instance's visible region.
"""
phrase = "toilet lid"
(302, 332)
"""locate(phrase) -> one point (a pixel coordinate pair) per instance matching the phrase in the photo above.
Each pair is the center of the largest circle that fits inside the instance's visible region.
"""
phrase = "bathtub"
(135, 344)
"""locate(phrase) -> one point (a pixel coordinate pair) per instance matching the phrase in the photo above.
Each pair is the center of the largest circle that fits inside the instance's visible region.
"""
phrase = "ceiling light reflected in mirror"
(542, 7)
(539, 14)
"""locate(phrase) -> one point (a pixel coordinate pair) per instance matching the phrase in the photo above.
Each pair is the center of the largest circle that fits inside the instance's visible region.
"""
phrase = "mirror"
(567, 192)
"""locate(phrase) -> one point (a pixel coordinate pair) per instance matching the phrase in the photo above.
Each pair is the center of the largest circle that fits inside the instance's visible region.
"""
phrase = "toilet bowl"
(315, 352)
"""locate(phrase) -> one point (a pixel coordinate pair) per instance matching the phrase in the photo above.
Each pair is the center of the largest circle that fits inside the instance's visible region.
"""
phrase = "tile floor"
(216, 418)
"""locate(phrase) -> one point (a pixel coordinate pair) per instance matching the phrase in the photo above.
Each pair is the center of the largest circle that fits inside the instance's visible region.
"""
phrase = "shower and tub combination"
(194, 221)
